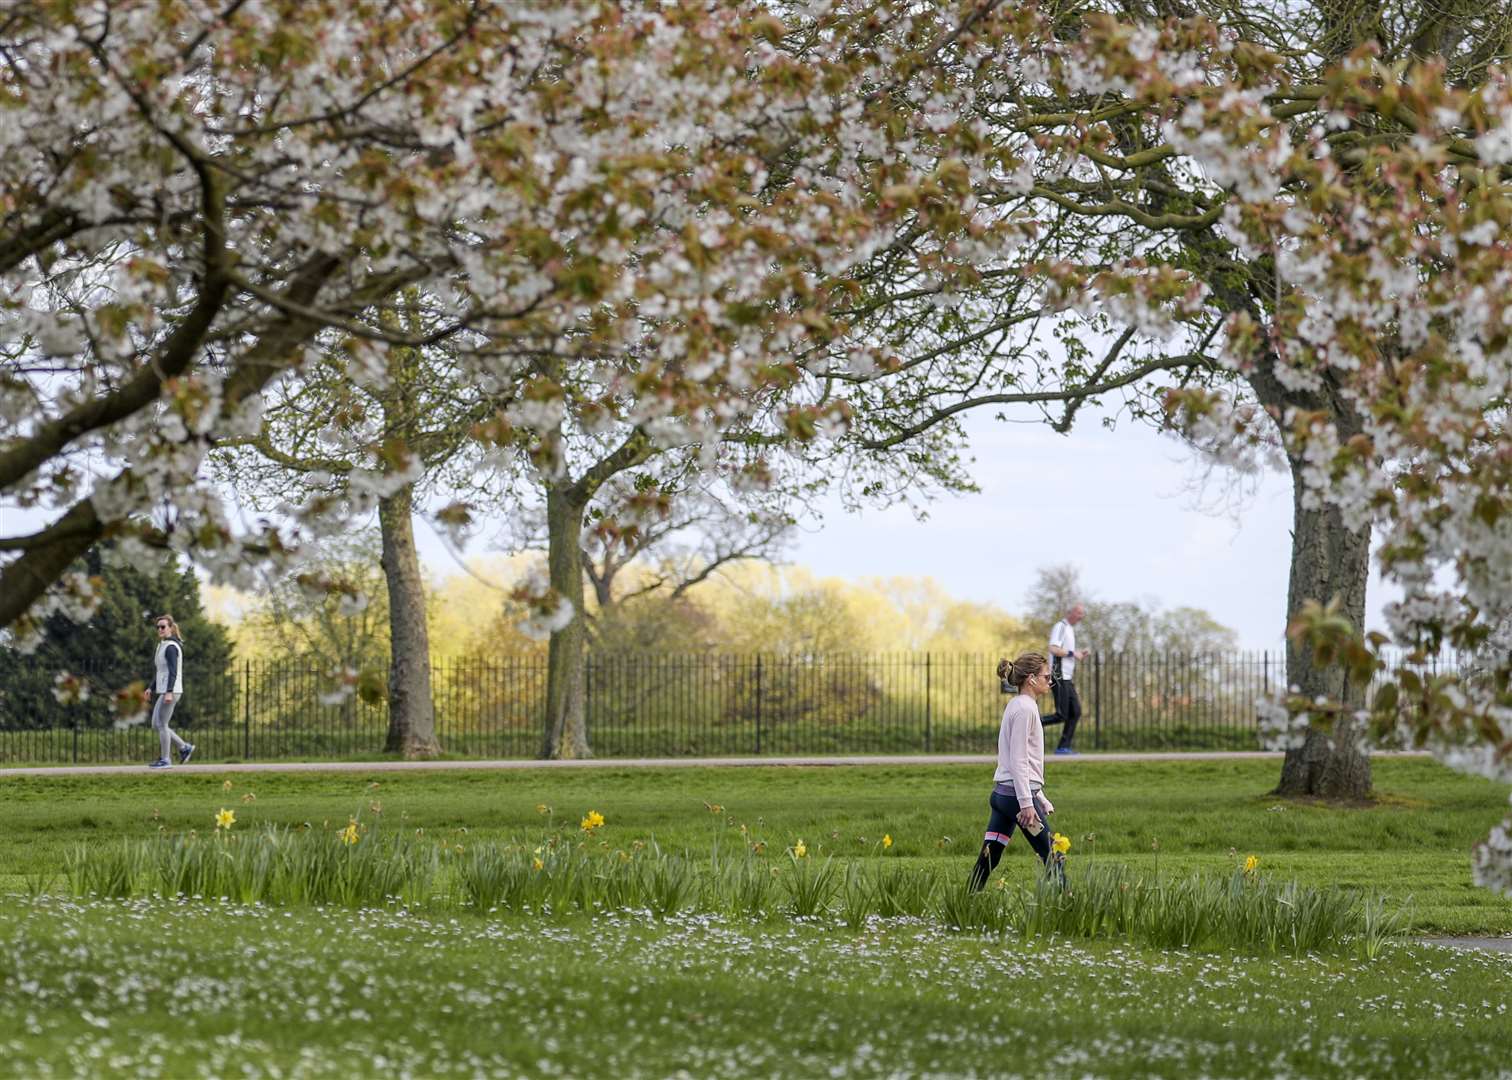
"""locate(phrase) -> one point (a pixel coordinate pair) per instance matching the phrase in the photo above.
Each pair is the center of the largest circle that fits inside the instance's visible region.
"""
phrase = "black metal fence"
(656, 705)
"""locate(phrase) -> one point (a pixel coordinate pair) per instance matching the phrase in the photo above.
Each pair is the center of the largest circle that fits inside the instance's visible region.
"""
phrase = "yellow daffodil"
(542, 809)
(800, 849)
(1060, 844)
(537, 864)
(1250, 864)
(886, 841)
(225, 819)
(226, 786)
(592, 821)
(349, 835)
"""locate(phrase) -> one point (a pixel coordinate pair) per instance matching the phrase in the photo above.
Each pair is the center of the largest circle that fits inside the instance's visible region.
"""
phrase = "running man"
(167, 682)
(1064, 656)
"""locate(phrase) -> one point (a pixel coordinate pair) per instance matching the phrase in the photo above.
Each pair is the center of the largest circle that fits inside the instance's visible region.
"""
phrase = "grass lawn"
(155, 987)
(162, 988)
(1413, 843)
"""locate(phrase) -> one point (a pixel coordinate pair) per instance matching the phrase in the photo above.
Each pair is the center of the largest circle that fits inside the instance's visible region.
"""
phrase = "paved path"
(639, 763)
(1485, 944)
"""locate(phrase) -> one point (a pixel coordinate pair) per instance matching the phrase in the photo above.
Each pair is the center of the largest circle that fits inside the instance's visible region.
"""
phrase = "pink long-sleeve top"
(1021, 749)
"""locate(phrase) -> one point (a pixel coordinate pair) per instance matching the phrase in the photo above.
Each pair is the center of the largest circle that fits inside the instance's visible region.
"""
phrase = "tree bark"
(1328, 561)
(412, 714)
(566, 713)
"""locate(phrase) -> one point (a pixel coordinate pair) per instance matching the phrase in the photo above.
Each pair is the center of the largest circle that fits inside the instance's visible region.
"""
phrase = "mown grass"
(162, 988)
(1175, 817)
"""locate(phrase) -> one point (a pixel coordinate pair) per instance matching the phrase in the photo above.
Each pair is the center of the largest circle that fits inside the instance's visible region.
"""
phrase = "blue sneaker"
(1065, 750)
(161, 763)
(185, 753)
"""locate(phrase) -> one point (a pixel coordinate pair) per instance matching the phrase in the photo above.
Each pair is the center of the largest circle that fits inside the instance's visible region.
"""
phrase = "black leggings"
(1000, 826)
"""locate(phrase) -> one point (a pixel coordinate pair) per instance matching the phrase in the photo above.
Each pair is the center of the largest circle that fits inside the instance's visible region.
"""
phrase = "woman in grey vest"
(167, 683)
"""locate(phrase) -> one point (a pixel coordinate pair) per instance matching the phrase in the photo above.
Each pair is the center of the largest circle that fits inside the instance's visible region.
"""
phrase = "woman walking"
(168, 683)
(1018, 796)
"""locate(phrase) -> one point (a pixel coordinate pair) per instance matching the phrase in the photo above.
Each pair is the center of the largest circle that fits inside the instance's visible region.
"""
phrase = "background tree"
(656, 532)
(331, 615)
(1117, 626)
(389, 432)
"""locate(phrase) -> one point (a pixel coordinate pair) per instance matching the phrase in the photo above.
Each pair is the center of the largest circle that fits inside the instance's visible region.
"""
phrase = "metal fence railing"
(666, 705)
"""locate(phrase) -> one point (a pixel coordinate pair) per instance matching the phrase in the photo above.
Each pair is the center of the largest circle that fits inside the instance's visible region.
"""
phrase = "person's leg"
(160, 725)
(1057, 695)
(995, 840)
(1069, 706)
(162, 713)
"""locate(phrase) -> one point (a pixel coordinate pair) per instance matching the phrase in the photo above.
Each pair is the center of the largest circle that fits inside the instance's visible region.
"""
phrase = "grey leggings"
(162, 711)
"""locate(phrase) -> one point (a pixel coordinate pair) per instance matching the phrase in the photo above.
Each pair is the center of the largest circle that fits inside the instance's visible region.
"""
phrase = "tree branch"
(1163, 364)
(175, 357)
(24, 243)
(26, 579)
(633, 451)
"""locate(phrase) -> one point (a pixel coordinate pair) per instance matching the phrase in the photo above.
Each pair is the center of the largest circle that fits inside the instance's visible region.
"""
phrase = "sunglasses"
(162, 626)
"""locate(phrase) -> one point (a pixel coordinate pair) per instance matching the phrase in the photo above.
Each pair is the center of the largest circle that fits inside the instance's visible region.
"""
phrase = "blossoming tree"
(1337, 192)
(1185, 187)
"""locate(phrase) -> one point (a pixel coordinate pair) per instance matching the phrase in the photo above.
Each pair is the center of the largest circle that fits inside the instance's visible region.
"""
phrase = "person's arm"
(171, 657)
(1018, 757)
(1058, 645)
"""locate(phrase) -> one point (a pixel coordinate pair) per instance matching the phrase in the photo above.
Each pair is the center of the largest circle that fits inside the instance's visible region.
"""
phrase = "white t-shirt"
(1063, 635)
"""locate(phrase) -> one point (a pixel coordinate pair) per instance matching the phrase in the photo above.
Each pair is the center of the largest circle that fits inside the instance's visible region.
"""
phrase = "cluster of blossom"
(1281, 727)
(339, 683)
(70, 689)
(547, 611)
(76, 597)
(1227, 430)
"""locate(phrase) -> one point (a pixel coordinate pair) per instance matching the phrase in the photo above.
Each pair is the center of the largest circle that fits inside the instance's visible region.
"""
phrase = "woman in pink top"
(1018, 796)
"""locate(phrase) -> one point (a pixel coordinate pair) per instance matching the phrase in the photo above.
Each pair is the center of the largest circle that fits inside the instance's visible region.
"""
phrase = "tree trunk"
(412, 714)
(566, 714)
(1327, 561)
